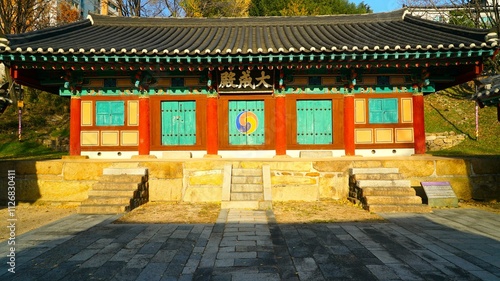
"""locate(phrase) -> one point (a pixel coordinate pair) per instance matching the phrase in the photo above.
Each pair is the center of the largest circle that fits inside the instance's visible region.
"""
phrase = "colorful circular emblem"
(247, 122)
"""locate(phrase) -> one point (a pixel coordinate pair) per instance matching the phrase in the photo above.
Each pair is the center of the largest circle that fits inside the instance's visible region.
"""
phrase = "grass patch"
(327, 211)
(172, 212)
(453, 110)
(12, 148)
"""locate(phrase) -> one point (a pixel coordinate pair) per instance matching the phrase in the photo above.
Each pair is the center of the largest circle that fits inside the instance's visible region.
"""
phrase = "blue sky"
(380, 5)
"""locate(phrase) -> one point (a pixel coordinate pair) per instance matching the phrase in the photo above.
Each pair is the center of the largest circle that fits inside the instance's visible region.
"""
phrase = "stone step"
(399, 208)
(246, 172)
(246, 179)
(123, 178)
(392, 200)
(118, 193)
(116, 186)
(388, 176)
(103, 209)
(355, 171)
(247, 196)
(107, 200)
(246, 187)
(384, 191)
(383, 183)
(125, 171)
(248, 205)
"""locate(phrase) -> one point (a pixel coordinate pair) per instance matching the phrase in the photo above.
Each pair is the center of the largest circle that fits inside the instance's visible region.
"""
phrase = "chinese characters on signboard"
(246, 80)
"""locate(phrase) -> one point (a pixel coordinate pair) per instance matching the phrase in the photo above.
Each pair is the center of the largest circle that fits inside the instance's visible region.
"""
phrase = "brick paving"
(448, 244)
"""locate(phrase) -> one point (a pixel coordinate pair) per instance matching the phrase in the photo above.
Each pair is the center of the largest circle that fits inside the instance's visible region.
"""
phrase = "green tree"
(215, 8)
(266, 8)
(305, 7)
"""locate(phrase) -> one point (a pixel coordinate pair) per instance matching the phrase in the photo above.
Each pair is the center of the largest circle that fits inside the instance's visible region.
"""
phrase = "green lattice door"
(246, 123)
(314, 122)
(178, 123)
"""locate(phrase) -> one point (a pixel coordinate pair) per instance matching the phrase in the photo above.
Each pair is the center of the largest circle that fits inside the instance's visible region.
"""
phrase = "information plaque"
(440, 194)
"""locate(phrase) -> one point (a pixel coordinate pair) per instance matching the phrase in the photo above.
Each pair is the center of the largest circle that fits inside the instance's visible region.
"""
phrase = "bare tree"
(140, 8)
(473, 13)
(174, 8)
(483, 14)
(24, 15)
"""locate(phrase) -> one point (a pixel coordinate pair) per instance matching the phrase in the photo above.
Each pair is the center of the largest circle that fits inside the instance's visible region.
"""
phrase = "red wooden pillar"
(144, 126)
(75, 126)
(349, 145)
(212, 126)
(418, 123)
(280, 126)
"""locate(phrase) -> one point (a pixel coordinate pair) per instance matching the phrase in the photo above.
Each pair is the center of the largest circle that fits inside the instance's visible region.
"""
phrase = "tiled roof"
(381, 32)
(488, 91)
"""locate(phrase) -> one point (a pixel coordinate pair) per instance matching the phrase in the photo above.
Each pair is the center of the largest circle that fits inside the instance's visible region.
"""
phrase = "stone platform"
(448, 244)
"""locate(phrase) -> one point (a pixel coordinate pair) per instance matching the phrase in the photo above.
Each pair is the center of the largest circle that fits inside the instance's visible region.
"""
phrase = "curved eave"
(221, 58)
(259, 51)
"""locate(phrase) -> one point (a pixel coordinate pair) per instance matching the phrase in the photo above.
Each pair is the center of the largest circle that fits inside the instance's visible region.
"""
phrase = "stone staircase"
(246, 188)
(384, 190)
(119, 190)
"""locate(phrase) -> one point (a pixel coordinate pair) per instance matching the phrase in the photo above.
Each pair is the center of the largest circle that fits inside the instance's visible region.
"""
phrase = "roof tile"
(391, 31)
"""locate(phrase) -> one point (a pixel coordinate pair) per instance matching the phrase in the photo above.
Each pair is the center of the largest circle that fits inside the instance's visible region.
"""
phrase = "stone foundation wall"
(68, 181)
(439, 141)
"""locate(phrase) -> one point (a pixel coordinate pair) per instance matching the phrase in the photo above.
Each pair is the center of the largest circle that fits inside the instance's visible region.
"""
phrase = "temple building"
(261, 87)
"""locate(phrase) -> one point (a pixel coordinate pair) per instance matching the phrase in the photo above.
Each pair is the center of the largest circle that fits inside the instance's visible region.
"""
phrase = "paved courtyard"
(448, 244)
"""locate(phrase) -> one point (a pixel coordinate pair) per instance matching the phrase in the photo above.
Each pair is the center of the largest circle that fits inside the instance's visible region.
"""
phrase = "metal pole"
(20, 105)
(477, 122)
(20, 127)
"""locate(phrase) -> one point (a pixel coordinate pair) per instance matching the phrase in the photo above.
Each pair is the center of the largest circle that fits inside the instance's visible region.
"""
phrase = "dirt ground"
(31, 216)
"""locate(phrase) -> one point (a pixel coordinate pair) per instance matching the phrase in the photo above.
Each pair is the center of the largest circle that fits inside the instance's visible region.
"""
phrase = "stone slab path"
(448, 244)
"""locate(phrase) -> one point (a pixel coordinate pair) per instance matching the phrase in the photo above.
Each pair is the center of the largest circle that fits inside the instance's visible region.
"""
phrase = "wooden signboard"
(440, 194)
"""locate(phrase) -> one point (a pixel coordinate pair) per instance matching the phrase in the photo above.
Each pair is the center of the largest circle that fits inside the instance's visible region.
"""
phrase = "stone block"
(213, 164)
(85, 170)
(32, 190)
(53, 167)
(291, 166)
(295, 193)
(486, 187)
(340, 166)
(125, 171)
(449, 167)
(333, 187)
(483, 166)
(207, 178)
(250, 165)
(163, 169)
(49, 167)
(365, 163)
(293, 180)
(165, 190)
(203, 194)
(75, 191)
(412, 168)
(6, 166)
(26, 189)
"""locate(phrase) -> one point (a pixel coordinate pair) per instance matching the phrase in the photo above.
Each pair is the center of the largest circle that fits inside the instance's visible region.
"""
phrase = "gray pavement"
(448, 244)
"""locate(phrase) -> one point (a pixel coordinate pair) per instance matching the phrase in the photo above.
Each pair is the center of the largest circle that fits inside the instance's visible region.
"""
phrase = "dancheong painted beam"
(248, 87)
